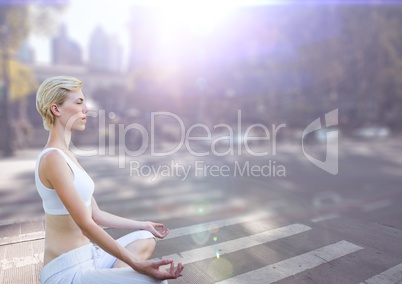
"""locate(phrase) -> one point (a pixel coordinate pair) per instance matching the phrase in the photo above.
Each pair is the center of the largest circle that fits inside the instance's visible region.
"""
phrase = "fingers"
(161, 234)
(159, 225)
(164, 233)
(163, 262)
(175, 274)
(172, 273)
(179, 269)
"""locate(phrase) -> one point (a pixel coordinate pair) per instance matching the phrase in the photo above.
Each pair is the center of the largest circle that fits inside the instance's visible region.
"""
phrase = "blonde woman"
(73, 219)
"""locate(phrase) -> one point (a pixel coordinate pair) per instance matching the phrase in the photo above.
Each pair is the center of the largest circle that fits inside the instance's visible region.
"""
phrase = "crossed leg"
(142, 249)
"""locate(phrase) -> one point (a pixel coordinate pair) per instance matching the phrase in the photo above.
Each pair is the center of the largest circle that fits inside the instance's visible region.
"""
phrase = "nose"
(85, 109)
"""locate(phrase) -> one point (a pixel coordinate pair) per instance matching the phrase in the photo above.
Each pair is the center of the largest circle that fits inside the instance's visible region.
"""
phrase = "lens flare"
(220, 268)
(199, 17)
(201, 208)
(201, 238)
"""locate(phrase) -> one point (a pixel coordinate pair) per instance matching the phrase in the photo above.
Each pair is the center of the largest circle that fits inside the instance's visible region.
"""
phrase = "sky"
(81, 17)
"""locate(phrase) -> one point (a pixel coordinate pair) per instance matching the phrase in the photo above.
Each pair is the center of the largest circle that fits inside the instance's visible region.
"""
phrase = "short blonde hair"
(54, 90)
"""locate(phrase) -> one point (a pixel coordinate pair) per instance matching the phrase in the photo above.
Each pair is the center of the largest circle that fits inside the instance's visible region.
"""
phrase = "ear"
(55, 110)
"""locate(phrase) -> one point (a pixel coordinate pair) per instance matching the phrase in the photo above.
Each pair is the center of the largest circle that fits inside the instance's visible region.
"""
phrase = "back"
(82, 181)
(62, 233)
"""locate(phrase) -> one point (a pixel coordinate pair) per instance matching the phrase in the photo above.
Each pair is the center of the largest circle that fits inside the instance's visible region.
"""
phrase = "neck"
(59, 137)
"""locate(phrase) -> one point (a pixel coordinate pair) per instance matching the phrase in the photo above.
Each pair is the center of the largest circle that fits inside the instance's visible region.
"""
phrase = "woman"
(73, 218)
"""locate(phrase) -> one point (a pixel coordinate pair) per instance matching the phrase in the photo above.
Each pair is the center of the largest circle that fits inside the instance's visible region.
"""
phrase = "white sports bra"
(82, 182)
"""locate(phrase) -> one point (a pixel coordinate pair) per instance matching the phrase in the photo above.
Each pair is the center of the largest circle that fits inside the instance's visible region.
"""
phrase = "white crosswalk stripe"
(270, 273)
(294, 265)
(237, 244)
(217, 224)
(390, 276)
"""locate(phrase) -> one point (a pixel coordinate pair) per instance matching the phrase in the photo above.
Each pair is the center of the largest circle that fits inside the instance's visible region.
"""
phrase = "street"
(241, 218)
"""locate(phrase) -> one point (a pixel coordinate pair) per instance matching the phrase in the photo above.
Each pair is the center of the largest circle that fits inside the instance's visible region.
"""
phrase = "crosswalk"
(237, 244)
(269, 272)
(390, 276)
(294, 265)
(252, 252)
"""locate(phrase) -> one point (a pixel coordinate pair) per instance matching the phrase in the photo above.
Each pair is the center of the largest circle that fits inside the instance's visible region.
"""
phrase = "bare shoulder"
(53, 161)
(52, 156)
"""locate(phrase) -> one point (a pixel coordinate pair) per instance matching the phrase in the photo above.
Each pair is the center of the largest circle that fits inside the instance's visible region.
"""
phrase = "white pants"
(91, 264)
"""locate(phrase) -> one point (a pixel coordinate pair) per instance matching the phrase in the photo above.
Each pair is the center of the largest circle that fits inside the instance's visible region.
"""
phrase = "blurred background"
(279, 62)
(213, 62)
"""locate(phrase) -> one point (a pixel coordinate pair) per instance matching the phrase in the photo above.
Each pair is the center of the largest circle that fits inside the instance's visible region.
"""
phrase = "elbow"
(98, 218)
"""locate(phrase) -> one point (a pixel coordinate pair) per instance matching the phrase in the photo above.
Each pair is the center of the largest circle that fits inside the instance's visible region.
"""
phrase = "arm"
(58, 173)
(103, 218)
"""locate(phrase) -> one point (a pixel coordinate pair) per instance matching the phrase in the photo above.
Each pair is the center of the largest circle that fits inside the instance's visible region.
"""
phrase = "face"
(72, 113)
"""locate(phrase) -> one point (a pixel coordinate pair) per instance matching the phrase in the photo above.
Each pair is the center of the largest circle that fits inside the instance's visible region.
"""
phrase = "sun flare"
(198, 17)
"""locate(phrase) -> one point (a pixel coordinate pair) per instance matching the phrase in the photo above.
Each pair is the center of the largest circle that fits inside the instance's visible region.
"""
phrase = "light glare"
(198, 17)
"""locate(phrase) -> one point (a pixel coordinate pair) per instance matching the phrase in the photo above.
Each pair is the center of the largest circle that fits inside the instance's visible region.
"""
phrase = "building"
(65, 51)
(105, 52)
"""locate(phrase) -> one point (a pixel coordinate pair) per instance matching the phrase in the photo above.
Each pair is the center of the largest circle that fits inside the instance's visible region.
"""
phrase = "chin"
(79, 128)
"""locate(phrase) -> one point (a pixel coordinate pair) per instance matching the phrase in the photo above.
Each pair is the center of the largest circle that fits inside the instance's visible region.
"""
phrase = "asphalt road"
(246, 219)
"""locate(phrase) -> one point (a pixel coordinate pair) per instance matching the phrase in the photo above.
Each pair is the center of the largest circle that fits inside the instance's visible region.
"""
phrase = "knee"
(149, 248)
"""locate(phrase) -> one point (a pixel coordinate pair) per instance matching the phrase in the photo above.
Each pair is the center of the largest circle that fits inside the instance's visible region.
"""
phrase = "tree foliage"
(17, 22)
(362, 64)
(22, 81)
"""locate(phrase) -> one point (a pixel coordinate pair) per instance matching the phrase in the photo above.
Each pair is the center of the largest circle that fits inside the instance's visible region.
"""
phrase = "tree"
(17, 81)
